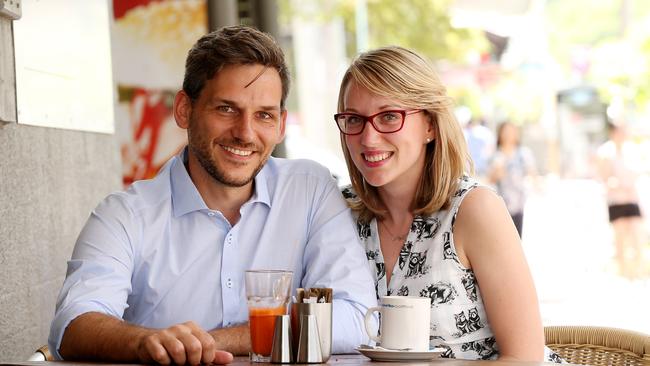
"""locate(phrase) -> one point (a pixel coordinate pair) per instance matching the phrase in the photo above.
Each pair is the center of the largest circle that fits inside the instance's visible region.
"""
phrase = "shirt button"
(210, 213)
(229, 283)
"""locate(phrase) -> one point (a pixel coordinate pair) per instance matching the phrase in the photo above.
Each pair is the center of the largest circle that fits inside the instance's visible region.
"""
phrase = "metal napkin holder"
(307, 336)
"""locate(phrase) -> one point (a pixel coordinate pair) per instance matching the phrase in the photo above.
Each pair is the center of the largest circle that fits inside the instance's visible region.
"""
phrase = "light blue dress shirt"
(156, 255)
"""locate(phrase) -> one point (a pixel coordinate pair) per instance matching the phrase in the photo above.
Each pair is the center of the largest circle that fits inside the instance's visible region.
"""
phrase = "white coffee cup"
(404, 323)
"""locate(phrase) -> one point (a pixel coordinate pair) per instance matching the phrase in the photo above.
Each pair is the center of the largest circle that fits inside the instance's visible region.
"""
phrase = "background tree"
(422, 25)
(615, 39)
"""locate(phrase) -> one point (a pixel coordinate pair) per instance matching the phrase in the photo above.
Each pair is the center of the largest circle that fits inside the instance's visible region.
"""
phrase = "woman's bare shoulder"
(482, 223)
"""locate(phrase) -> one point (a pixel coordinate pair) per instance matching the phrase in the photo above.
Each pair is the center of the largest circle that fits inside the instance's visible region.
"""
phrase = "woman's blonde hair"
(402, 75)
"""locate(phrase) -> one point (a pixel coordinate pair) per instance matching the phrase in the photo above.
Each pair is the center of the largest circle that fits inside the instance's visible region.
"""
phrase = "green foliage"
(467, 97)
(582, 21)
(616, 38)
(421, 25)
(520, 103)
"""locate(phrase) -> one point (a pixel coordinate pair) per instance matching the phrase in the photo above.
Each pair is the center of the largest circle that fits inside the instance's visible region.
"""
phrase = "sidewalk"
(569, 246)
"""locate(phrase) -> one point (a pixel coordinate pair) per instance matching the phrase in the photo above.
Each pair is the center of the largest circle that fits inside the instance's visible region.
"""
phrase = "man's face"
(236, 122)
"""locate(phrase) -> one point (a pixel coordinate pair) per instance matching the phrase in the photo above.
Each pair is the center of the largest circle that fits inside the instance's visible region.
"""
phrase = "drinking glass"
(267, 294)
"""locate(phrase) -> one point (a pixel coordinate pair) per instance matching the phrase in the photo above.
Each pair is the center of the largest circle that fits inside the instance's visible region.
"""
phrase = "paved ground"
(568, 243)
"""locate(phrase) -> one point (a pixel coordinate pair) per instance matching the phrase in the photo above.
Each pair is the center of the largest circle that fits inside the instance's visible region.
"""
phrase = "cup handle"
(367, 323)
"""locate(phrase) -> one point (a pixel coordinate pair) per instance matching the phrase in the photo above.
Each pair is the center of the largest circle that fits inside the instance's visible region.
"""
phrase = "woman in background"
(619, 168)
(430, 230)
(511, 165)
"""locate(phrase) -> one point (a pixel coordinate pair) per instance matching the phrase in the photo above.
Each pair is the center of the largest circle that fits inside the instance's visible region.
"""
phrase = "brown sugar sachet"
(322, 295)
(300, 295)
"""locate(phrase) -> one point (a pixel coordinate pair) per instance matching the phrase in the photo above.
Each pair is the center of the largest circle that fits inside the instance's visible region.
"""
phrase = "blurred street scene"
(564, 74)
(569, 246)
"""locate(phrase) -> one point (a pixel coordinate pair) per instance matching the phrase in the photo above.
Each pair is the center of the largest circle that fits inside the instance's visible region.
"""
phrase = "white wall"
(50, 180)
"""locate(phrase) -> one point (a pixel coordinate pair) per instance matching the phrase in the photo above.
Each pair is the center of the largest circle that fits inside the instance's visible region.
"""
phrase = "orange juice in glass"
(262, 323)
(267, 294)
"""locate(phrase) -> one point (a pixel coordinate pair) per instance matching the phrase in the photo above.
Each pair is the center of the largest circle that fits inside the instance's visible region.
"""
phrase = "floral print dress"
(428, 266)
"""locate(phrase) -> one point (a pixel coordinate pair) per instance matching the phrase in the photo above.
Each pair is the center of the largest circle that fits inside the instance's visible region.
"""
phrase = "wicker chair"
(596, 346)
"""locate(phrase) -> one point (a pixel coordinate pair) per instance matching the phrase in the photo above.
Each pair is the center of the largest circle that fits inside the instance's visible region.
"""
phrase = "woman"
(430, 230)
(511, 165)
(619, 168)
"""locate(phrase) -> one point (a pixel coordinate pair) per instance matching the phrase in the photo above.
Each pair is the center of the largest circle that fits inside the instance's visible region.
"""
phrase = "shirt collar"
(261, 193)
(186, 198)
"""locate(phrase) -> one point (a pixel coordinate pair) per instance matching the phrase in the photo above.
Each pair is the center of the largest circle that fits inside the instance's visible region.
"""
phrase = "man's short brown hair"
(233, 45)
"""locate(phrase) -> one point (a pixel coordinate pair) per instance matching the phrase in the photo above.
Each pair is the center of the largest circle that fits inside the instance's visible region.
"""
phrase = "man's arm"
(96, 336)
(335, 258)
(88, 322)
(236, 340)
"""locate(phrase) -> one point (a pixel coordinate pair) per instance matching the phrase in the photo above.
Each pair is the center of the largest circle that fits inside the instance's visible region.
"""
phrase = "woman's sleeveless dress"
(429, 267)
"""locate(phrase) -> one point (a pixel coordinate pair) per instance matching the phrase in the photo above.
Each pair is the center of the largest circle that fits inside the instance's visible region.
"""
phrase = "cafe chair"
(41, 354)
(596, 346)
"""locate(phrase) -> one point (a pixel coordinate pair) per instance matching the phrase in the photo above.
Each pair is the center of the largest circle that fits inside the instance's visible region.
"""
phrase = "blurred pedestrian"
(619, 168)
(481, 145)
(510, 167)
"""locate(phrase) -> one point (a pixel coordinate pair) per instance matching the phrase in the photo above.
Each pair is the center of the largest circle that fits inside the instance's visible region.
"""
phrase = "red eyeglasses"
(383, 122)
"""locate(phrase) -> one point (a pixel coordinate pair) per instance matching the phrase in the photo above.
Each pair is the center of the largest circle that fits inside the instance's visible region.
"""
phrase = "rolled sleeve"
(98, 277)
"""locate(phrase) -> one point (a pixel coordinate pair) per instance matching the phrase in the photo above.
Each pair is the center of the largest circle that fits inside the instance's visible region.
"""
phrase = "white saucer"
(382, 354)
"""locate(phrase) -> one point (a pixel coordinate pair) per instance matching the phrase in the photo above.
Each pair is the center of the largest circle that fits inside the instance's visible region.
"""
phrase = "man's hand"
(100, 337)
(181, 344)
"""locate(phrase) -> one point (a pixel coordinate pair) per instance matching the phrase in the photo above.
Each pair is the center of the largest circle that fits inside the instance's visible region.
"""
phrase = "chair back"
(599, 346)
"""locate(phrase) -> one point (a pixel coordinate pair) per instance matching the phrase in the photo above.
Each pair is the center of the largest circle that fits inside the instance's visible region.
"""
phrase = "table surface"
(342, 360)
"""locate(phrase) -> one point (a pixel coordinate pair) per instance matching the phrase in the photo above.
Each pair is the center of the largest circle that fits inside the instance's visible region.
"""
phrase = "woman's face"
(387, 159)
(509, 135)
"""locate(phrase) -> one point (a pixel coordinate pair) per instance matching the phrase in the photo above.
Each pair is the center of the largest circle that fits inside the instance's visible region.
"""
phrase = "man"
(157, 272)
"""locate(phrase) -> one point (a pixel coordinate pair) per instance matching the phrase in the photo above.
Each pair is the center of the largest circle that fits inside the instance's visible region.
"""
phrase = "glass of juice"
(267, 294)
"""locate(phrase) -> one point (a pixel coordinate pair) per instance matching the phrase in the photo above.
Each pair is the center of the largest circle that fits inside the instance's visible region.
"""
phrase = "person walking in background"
(619, 168)
(481, 144)
(429, 229)
(511, 165)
